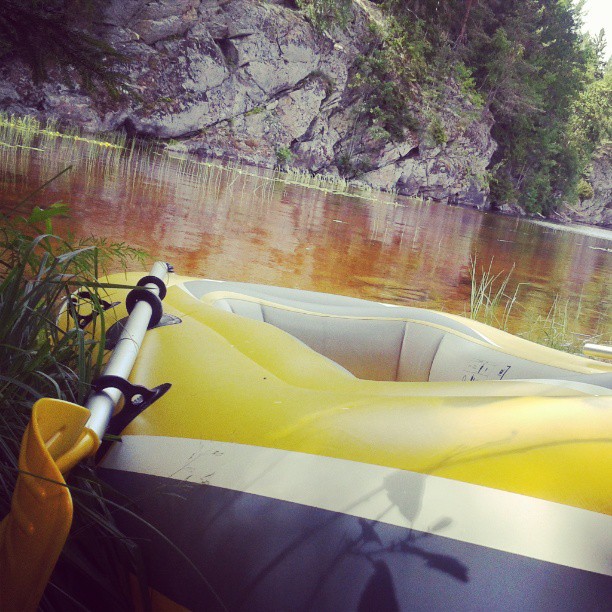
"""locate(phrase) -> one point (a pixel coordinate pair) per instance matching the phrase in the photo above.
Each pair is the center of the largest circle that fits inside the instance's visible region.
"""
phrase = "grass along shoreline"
(492, 301)
(38, 272)
(112, 153)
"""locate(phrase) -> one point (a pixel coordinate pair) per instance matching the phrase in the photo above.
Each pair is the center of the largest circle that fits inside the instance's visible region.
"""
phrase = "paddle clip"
(136, 399)
(84, 320)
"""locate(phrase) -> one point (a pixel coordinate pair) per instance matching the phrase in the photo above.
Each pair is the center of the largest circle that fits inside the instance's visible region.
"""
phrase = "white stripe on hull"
(470, 513)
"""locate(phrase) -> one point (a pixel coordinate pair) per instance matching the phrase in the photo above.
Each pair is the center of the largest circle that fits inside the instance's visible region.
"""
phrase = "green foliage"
(524, 59)
(467, 82)
(390, 76)
(284, 156)
(377, 132)
(350, 166)
(326, 14)
(328, 82)
(591, 120)
(385, 100)
(530, 61)
(38, 273)
(53, 34)
(595, 50)
(257, 110)
(536, 192)
(344, 163)
(584, 190)
(437, 132)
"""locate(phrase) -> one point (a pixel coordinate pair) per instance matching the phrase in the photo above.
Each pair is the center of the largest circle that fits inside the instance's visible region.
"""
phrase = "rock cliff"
(255, 81)
(598, 209)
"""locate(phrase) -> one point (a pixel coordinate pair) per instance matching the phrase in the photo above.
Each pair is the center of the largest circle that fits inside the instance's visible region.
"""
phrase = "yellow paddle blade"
(33, 534)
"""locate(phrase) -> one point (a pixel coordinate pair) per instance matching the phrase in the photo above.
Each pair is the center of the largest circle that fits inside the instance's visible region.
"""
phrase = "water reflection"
(238, 226)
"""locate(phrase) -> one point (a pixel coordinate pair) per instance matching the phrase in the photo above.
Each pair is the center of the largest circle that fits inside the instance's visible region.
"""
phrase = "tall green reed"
(487, 295)
(38, 273)
(555, 327)
(492, 302)
(29, 146)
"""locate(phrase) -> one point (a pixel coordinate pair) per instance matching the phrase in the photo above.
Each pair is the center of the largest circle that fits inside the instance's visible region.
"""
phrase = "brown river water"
(241, 224)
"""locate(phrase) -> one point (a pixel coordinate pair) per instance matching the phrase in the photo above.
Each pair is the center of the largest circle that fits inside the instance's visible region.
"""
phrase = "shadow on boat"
(261, 553)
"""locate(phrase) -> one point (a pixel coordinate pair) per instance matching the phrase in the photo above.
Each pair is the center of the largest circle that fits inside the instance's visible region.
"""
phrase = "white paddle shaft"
(121, 362)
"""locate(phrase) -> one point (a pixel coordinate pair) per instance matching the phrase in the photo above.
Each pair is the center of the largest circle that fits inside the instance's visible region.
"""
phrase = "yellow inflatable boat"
(319, 452)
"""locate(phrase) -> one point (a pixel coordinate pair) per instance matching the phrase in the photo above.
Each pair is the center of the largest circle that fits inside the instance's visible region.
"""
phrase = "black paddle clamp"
(136, 399)
(84, 320)
(140, 293)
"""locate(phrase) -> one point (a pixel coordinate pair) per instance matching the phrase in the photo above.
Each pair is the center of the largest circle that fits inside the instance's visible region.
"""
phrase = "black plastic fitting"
(153, 280)
(142, 294)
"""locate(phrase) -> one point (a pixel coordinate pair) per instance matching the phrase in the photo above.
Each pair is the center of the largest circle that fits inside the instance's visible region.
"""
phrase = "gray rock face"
(597, 210)
(601, 179)
(244, 79)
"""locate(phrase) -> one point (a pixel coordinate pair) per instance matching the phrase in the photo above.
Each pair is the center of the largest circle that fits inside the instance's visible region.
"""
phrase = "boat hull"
(258, 552)
(277, 479)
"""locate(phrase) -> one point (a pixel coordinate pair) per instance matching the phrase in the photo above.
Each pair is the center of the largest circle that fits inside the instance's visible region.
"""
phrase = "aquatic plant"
(23, 129)
(487, 295)
(39, 272)
(555, 328)
(34, 151)
(492, 303)
(324, 182)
